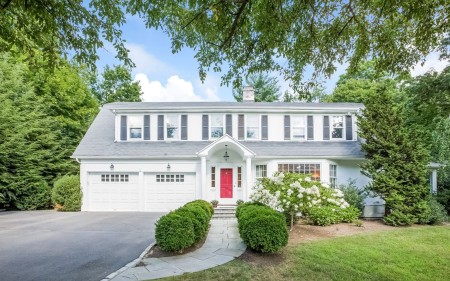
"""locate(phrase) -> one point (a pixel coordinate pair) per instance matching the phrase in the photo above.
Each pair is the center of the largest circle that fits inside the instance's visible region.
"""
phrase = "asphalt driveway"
(48, 245)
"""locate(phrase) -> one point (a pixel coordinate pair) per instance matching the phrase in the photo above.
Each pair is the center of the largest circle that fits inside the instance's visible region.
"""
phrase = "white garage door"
(113, 191)
(168, 191)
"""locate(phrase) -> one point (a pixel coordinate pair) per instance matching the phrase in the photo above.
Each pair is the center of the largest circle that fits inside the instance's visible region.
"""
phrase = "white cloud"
(144, 61)
(210, 87)
(176, 89)
(432, 62)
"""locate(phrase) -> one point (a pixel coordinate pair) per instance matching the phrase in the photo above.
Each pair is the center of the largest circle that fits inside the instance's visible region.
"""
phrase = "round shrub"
(243, 206)
(199, 213)
(174, 233)
(198, 223)
(67, 193)
(250, 212)
(266, 233)
(204, 205)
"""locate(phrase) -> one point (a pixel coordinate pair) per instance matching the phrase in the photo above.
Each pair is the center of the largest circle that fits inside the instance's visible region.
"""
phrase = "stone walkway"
(222, 245)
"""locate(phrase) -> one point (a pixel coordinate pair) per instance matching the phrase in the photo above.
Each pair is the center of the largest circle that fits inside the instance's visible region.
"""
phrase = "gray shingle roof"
(99, 143)
(231, 105)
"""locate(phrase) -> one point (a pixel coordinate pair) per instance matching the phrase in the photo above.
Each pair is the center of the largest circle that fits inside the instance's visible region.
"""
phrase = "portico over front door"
(226, 183)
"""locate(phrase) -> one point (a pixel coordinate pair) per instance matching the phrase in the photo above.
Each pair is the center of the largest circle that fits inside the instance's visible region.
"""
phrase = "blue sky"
(174, 77)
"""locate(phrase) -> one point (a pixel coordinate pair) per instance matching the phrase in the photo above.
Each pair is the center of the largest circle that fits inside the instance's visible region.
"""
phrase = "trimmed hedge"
(183, 227)
(66, 192)
(204, 205)
(174, 232)
(244, 205)
(262, 228)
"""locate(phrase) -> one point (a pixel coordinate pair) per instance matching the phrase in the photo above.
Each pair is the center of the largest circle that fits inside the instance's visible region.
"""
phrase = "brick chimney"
(248, 94)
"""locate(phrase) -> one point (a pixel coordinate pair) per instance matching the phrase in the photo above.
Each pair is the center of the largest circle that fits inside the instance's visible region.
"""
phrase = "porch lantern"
(226, 156)
(111, 167)
(168, 166)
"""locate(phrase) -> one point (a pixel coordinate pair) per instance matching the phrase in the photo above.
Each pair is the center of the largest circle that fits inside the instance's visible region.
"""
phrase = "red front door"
(226, 183)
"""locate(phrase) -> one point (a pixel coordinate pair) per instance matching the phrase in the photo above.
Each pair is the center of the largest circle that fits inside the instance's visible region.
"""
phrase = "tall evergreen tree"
(396, 160)
(266, 88)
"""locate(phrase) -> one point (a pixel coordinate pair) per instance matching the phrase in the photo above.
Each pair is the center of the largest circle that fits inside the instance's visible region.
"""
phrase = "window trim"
(264, 171)
(129, 127)
(305, 127)
(258, 119)
(333, 183)
(213, 176)
(179, 127)
(332, 127)
(210, 125)
(301, 163)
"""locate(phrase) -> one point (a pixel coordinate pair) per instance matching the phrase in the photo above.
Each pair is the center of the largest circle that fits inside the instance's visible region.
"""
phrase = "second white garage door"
(167, 191)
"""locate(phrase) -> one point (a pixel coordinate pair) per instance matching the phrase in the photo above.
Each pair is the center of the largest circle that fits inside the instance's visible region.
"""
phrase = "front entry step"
(225, 212)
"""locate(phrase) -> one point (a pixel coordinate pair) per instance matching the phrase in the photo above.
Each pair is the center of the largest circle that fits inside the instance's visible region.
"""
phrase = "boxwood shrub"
(262, 228)
(174, 232)
(183, 227)
(242, 206)
(67, 193)
(204, 205)
(266, 233)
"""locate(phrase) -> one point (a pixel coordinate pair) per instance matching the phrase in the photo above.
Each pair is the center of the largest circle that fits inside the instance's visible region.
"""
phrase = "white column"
(203, 188)
(434, 181)
(249, 178)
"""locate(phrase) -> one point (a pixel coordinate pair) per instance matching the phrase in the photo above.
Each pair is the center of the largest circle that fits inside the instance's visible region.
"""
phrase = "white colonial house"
(151, 156)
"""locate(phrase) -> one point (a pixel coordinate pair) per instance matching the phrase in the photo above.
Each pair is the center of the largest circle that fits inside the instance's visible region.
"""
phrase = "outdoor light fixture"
(226, 156)
(168, 166)
(111, 167)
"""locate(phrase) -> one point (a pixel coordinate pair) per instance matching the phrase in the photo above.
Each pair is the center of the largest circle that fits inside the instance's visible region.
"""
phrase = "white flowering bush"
(293, 193)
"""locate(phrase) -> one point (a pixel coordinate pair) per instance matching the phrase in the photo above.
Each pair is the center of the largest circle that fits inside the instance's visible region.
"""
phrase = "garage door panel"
(114, 191)
(168, 191)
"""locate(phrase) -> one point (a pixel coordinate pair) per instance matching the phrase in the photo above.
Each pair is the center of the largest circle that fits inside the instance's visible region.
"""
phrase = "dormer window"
(172, 127)
(216, 126)
(135, 127)
(252, 127)
(298, 127)
(337, 127)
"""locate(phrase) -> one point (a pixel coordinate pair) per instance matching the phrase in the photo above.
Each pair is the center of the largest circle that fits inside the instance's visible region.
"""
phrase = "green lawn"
(401, 254)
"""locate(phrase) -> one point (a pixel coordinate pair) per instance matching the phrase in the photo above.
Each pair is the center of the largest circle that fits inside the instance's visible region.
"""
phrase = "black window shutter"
(241, 128)
(146, 127)
(229, 124)
(264, 127)
(160, 127)
(287, 127)
(348, 127)
(205, 127)
(326, 127)
(310, 126)
(184, 133)
(123, 127)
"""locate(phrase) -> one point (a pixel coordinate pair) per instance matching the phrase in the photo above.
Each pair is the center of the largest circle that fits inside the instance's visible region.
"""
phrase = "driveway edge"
(130, 264)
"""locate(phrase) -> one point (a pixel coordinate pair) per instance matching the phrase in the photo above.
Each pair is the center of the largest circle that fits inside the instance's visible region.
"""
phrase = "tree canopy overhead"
(241, 37)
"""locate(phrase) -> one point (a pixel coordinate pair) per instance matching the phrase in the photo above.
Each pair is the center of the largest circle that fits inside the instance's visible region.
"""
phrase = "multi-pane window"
(216, 125)
(114, 177)
(301, 168)
(172, 126)
(298, 127)
(135, 127)
(252, 127)
(239, 176)
(337, 127)
(169, 178)
(213, 176)
(261, 171)
(333, 176)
